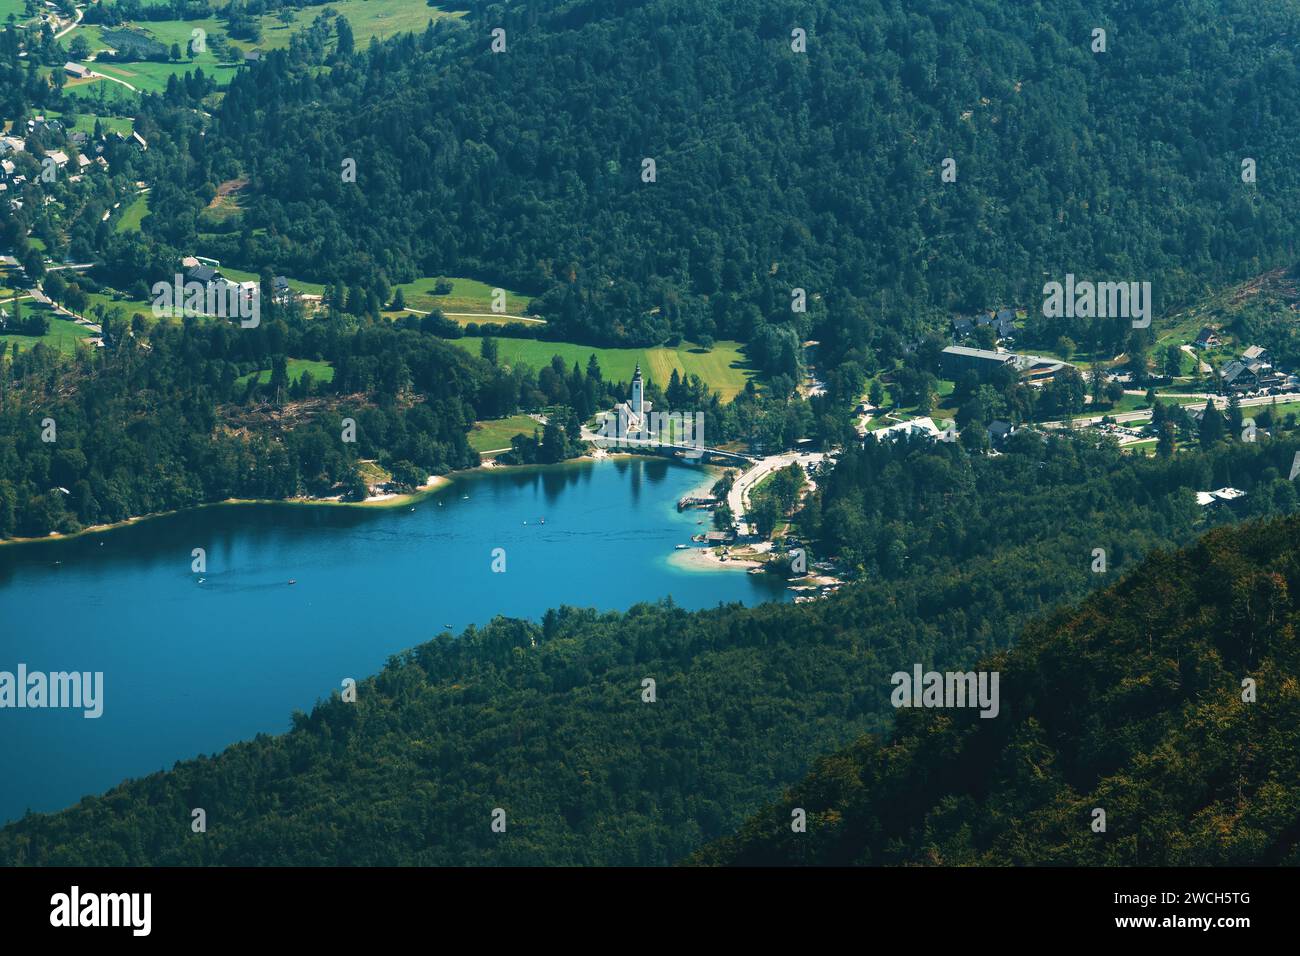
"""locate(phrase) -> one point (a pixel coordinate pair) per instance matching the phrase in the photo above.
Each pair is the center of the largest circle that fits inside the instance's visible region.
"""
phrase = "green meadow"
(377, 18)
(63, 335)
(130, 307)
(152, 77)
(85, 122)
(467, 296)
(723, 368)
(496, 433)
(320, 371)
(133, 214)
(15, 7)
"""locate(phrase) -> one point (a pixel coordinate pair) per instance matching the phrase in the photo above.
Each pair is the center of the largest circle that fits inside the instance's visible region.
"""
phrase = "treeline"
(546, 719)
(170, 415)
(1167, 703)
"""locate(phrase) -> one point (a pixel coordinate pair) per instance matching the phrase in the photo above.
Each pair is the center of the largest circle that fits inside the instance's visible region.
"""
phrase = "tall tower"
(638, 394)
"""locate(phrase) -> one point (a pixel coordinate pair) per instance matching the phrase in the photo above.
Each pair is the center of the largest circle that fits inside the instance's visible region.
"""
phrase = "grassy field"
(722, 368)
(1283, 409)
(1126, 403)
(496, 433)
(467, 295)
(152, 77)
(63, 335)
(320, 371)
(86, 122)
(128, 306)
(132, 214)
(101, 96)
(377, 18)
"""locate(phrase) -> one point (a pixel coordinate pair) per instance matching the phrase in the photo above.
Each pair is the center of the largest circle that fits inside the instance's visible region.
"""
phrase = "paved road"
(738, 497)
(1220, 401)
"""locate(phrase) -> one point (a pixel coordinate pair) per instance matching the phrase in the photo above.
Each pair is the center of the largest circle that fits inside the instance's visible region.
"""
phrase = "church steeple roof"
(636, 375)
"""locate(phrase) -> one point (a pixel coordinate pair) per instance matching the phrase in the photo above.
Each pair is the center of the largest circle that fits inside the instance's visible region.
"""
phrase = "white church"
(633, 421)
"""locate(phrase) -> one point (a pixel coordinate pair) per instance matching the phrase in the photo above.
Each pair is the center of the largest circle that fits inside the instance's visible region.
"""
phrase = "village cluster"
(54, 152)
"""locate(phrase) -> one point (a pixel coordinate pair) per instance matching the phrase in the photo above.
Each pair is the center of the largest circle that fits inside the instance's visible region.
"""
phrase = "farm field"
(723, 368)
(496, 433)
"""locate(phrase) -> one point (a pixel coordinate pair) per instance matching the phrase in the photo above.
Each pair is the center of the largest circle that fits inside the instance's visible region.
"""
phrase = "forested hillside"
(774, 169)
(546, 720)
(1132, 702)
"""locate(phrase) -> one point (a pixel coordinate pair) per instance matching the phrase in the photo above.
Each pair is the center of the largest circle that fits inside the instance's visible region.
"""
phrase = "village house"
(1208, 338)
(203, 275)
(1238, 377)
(1221, 496)
(281, 293)
(1003, 323)
(916, 427)
(76, 70)
(999, 431)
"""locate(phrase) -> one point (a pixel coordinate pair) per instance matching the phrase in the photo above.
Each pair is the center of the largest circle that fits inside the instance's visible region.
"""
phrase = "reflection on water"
(191, 666)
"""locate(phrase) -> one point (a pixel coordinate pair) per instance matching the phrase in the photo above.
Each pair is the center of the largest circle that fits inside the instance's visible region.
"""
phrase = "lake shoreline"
(292, 600)
(377, 501)
(436, 483)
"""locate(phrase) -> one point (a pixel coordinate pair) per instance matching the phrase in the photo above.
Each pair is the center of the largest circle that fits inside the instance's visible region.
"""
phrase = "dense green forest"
(175, 414)
(546, 719)
(1132, 702)
(773, 169)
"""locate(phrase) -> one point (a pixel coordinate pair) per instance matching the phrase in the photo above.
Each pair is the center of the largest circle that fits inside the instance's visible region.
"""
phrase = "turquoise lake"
(192, 666)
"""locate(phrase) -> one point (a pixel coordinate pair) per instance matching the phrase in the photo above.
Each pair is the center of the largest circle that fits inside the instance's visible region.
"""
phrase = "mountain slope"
(774, 169)
(1130, 702)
